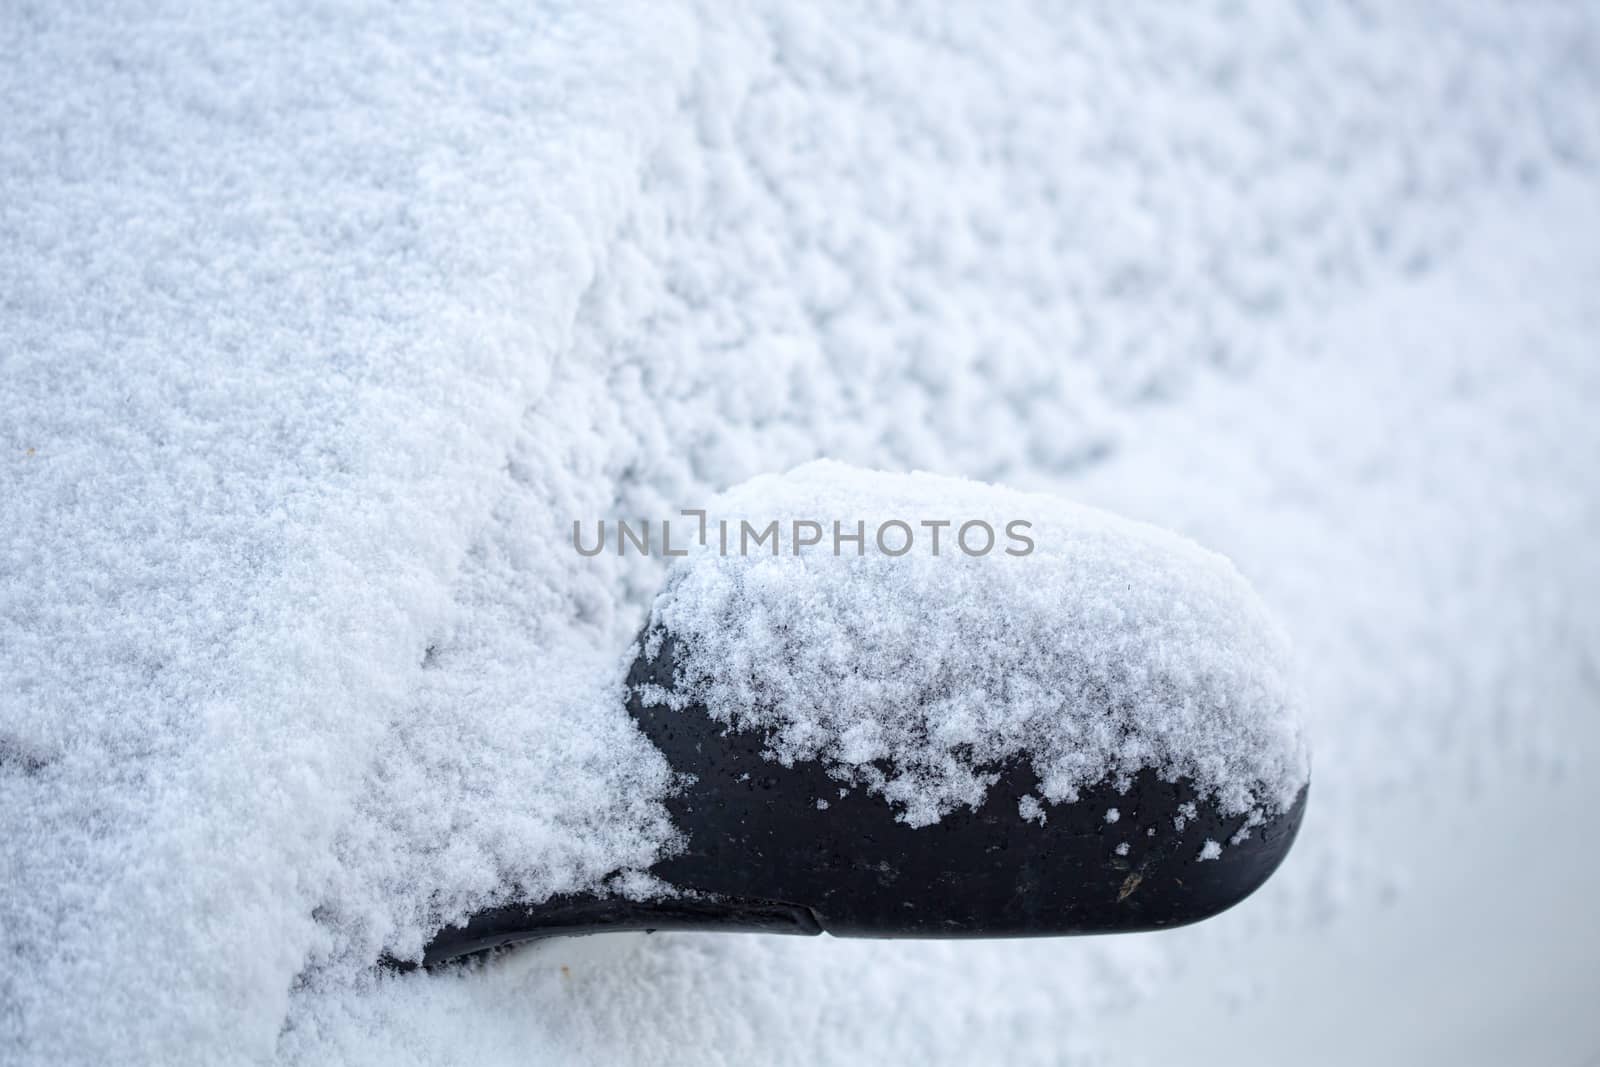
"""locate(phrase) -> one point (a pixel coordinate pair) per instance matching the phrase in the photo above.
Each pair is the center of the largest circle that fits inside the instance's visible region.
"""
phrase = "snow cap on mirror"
(970, 626)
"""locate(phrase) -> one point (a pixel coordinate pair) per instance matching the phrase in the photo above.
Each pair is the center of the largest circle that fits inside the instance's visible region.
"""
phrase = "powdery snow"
(971, 627)
(278, 285)
(320, 327)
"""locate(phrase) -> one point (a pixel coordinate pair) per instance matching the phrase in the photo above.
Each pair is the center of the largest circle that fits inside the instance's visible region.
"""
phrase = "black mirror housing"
(758, 831)
(768, 848)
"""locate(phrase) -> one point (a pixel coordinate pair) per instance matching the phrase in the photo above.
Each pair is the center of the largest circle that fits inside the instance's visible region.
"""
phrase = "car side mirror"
(1168, 788)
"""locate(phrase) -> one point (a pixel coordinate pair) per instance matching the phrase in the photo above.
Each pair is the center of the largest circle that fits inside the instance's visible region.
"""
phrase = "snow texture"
(320, 324)
(969, 628)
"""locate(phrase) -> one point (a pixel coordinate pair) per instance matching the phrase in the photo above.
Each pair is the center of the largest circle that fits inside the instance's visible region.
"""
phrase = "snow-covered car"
(331, 333)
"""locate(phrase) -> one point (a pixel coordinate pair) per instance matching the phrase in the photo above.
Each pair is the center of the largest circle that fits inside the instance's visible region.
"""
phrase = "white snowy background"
(320, 322)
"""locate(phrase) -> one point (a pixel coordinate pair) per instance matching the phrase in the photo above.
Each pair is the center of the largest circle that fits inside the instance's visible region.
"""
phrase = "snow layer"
(277, 286)
(973, 627)
(318, 326)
